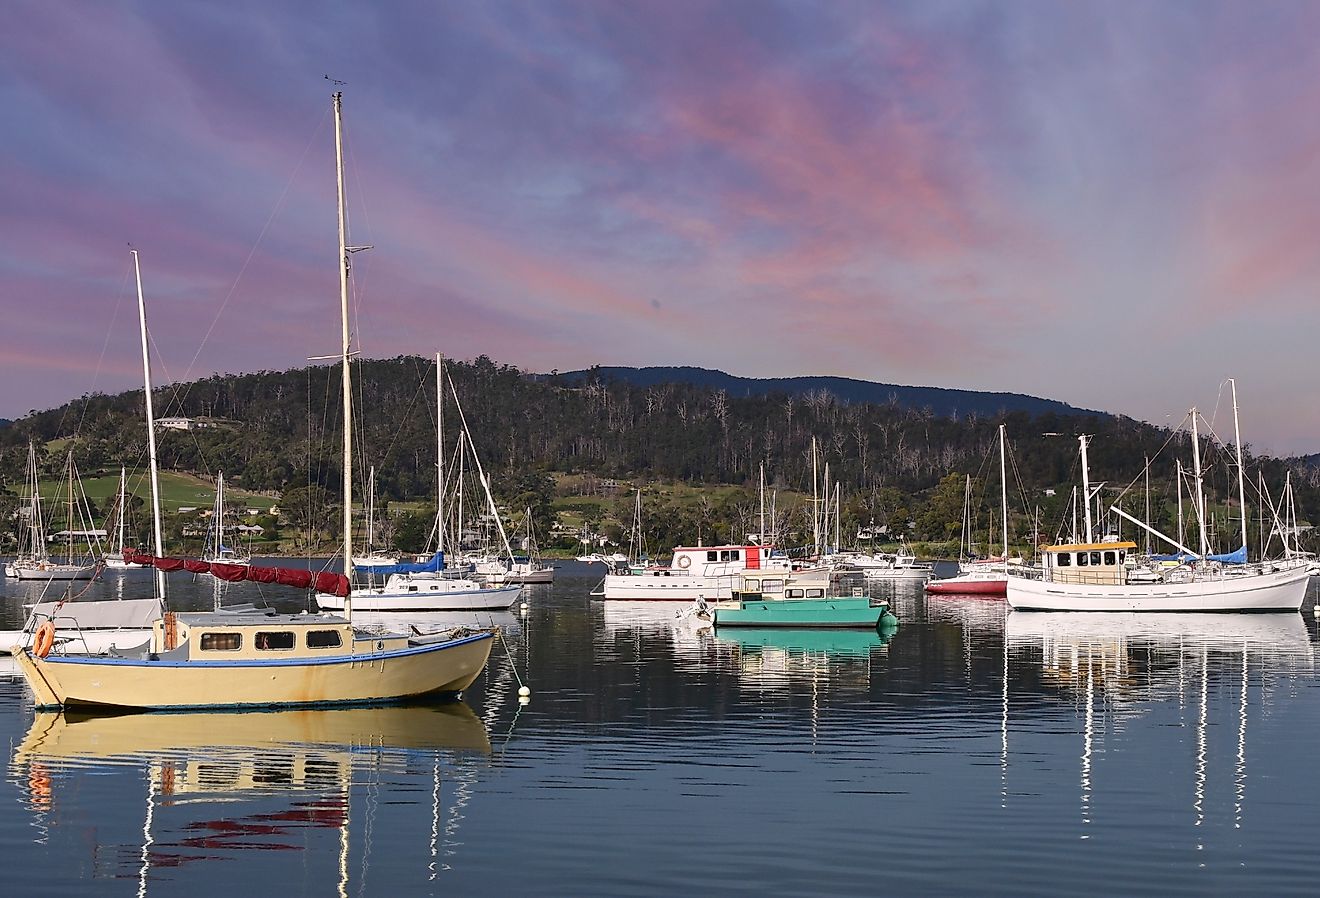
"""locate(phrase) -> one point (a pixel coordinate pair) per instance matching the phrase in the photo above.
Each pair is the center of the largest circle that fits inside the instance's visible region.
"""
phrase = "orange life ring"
(684, 561)
(45, 638)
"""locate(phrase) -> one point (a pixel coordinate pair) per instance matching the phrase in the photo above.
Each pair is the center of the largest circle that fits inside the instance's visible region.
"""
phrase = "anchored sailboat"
(1099, 575)
(426, 586)
(246, 660)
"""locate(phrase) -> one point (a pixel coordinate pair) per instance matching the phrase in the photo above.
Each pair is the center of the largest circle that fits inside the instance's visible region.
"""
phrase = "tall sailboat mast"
(1200, 488)
(440, 452)
(1242, 489)
(345, 350)
(119, 547)
(1003, 484)
(157, 534)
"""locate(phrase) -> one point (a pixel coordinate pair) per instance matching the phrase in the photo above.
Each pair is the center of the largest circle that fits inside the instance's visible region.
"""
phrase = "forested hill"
(940, 401)
(893, 462)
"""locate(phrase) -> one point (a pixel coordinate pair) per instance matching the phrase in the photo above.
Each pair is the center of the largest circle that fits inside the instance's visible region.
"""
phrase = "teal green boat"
(798, 599)
(847, 611)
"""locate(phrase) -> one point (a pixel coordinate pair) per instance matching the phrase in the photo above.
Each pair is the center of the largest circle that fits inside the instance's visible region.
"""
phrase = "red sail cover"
(322, 581)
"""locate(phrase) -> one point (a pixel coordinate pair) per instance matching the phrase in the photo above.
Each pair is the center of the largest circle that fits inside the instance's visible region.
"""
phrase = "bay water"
(976, 751)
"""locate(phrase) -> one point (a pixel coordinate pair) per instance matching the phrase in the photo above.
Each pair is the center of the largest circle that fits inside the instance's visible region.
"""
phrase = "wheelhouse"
(1099, 564)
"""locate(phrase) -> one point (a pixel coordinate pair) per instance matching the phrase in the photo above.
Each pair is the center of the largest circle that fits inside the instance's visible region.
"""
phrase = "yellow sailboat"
(257, 659)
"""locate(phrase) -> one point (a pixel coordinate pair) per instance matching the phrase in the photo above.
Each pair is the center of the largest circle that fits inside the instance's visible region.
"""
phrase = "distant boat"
(216, 551)
(373, 558)
(37, 564)
(114, 559)
(984, 578)
(899, 565)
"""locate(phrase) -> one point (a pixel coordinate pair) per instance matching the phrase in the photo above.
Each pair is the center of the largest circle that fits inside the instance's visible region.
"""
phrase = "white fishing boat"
(1103, 575)
(250, 660)
(694, 572)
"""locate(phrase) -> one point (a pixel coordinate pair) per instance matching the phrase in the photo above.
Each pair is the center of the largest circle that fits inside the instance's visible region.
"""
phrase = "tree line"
(897, 467)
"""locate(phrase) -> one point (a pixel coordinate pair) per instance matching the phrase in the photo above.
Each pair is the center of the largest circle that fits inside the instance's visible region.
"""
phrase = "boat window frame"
(1082, 559)
(337, 644)
(212, 636)
(261, 641)
(794, 592)
(1064, 559)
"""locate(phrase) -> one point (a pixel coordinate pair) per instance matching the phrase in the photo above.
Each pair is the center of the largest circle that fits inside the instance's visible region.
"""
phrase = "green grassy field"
(177, 491)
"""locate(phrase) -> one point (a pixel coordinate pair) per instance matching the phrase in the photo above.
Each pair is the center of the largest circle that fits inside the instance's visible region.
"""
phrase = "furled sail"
(322, 581)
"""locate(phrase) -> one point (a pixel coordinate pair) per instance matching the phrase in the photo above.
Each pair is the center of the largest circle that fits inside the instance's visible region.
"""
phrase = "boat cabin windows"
(815, 593)
(793, 593)
(222, 642)
(772, 585)
(1099, 565)
(323, 639)
(1090, 559)
(274, 639)
(724, 555)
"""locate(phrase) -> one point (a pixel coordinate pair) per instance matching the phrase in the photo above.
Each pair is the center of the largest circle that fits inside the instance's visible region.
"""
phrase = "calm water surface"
(977, 752)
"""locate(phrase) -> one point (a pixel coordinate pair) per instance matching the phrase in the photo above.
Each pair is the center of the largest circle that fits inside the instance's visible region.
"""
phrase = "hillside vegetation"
(572, 448)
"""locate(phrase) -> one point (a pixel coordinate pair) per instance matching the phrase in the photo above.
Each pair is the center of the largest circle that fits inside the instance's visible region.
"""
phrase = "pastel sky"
(1114, 204)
